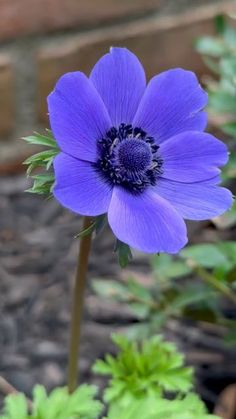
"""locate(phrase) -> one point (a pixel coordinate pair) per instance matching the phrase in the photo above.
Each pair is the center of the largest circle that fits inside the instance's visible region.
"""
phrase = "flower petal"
(172, 104)
(146, 222)
(79, 187)
(195, 201)
(120, 80)
(192, 157)
(77, 115)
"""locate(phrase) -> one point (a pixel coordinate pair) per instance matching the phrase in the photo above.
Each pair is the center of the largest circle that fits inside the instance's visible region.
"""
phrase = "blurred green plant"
(58, 405)
(186, 286)
(219, 54)
(142, 374)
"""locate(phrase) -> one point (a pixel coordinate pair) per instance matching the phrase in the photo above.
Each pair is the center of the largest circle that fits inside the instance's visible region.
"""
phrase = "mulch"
(38, 253)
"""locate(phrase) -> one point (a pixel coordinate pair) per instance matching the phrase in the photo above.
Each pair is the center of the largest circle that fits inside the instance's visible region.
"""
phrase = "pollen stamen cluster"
(127, 156)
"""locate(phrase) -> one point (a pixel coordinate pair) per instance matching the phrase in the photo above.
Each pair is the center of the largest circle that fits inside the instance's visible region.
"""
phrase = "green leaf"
(228, 249)
(229, 128)
(111, 289)
(43, 140)
(211, 63)
(210, 45)
(190, 295)
(42, 182)
(59, 404)
(151, 365)
(140, 310)
(41, 157)
(153, 406)
(222, 101)
(166, 267)
(15, 407)
(220, 24)
(124, 253)
(206, 255)
(228, 67)
(138, 290)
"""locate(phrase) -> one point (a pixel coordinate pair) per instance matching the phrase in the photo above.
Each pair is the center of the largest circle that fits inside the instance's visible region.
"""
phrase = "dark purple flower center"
(134, 155)
(129, 157)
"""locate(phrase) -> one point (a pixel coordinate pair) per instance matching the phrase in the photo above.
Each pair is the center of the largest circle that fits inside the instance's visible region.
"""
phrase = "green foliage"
(139, 369)
(152, 407)
(140, 375)
(58, 405)
(219, 53)
(124, 253)
(43, 181)
(207, 271)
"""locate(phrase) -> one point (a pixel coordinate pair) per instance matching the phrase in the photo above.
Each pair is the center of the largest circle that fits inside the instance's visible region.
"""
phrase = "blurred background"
(39, 41)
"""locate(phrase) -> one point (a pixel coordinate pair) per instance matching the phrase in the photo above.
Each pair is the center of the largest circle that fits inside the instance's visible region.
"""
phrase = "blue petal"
(120, 80)
(79, 187)
(146, 222)
(172, 104)
(192, 157)
(78, 116)
(195, 201)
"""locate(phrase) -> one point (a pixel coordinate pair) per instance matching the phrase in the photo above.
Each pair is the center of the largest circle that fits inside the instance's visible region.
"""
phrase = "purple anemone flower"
(137, 152)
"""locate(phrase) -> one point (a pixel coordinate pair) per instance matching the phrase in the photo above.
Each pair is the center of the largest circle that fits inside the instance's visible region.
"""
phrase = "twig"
(6, 388)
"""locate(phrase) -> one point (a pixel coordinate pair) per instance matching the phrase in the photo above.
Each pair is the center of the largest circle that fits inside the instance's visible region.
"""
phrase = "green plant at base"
(153, 407)
(141, 375)
(140, 369)
(58, 405)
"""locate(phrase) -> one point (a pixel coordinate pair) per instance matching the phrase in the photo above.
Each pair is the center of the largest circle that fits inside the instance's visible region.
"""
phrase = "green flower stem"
(77, 307)
(217, 284)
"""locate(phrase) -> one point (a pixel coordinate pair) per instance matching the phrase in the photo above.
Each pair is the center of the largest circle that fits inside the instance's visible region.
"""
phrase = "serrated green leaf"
(15, 406)
(43, 160)
(59, 404)
(44, 140)
(153, 407)
(152, 365)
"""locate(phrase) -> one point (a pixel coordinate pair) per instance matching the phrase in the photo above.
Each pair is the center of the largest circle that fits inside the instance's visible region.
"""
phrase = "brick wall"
(42, 39)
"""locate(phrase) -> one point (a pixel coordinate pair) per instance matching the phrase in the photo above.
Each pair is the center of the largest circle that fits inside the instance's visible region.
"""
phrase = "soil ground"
(37, 262)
